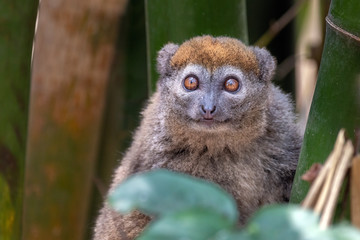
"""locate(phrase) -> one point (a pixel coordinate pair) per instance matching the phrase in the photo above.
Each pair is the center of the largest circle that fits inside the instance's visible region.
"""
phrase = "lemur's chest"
(222, 165)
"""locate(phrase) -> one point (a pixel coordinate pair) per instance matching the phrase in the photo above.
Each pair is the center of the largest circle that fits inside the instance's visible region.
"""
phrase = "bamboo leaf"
(283, 222)
(344, 232)
(195, 224)
(189, 208)
(162, 192)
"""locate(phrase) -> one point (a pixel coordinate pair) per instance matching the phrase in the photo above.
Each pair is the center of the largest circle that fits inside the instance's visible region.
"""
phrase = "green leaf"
(284, 222)
(232, 235)
(194, 224)
(345, 232)
(161, 192)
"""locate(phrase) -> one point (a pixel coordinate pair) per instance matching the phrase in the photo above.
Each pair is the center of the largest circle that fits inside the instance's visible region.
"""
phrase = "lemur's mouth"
(209, 122)
(213, 124)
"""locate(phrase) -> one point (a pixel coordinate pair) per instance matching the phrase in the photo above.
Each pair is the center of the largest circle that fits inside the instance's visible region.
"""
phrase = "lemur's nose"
(208, 112)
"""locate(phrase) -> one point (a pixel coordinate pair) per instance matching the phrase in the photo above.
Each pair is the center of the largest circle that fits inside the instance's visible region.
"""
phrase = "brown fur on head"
(215, 52)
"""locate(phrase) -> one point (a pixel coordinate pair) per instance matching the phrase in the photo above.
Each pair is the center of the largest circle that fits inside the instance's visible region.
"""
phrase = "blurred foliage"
(163, 192)
(185, 207)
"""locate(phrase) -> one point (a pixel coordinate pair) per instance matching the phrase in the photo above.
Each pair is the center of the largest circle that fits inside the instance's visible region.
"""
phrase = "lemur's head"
(215, 83)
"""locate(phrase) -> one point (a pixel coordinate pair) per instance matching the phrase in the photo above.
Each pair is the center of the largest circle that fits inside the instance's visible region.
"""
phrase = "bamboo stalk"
(73, 55)
(333, 106)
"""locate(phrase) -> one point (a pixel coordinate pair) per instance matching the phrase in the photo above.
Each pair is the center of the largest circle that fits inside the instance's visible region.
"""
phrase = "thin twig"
(316, 186)
(278, 25)
(345, 196)
(336, 156)
(328, 213)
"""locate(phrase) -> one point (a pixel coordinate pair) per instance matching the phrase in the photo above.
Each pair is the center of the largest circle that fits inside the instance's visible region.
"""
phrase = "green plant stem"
(336, 101)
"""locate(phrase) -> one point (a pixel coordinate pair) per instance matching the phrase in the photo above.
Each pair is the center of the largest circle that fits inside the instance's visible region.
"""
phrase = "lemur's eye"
(191, 83)
(231, 84)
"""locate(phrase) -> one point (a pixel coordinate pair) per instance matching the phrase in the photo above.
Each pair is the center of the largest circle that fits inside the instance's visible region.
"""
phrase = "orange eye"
(231, 85)
(191, 83)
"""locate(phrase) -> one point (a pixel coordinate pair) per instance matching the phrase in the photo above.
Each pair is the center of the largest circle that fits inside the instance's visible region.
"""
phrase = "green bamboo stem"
(17, 21)
(336, 101)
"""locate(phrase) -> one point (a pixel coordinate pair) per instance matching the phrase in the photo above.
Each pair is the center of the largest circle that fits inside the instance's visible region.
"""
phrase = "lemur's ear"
(164, 57)
(267, 63)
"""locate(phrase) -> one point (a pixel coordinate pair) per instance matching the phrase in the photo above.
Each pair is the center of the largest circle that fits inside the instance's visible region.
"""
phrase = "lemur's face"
(215, 84)
(223, 98)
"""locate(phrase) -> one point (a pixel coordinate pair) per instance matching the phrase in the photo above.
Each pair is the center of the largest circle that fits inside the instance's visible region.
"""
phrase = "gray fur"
(267, 63)
(251, 150)
(163, 59)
